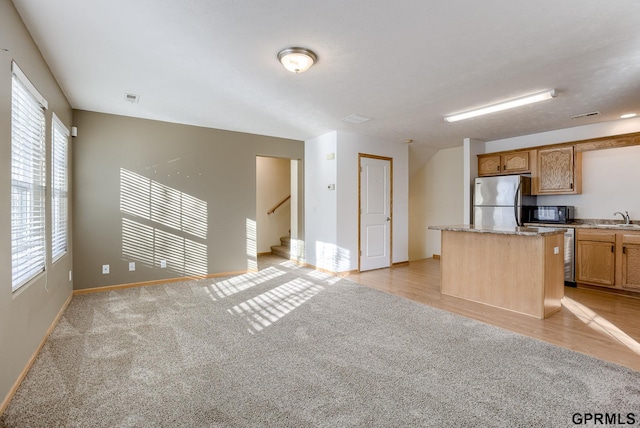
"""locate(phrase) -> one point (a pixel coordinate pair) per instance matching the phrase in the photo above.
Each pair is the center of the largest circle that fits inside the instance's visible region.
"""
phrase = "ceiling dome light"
(297, 60)
(628, 115)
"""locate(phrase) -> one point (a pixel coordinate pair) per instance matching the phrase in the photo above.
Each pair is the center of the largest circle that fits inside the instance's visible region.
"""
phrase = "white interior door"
(375, 213)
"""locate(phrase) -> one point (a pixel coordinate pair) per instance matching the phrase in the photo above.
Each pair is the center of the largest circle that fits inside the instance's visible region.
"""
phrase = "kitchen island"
(516, 268)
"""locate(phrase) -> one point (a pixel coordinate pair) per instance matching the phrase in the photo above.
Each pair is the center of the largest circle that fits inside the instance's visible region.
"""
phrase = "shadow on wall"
(155, 220)
(332, 258)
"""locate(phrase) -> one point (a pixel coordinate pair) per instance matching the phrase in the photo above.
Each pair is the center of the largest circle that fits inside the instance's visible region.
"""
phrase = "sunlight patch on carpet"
(271, 306)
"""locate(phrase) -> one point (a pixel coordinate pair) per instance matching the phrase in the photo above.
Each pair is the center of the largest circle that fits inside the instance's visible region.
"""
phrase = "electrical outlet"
(163, 264)
(132, 266)
(556, 250)
(105, 269)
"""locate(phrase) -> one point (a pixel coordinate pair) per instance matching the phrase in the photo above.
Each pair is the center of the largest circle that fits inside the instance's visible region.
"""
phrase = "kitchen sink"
(620, 226)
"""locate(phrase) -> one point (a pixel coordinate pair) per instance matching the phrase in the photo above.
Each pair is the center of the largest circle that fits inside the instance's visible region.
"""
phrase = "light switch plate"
(163, 264)
(105, 269)
(132, 266)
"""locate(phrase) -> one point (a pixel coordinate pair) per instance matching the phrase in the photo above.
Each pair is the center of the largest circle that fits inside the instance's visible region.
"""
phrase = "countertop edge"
(513, 230)
(585, 226)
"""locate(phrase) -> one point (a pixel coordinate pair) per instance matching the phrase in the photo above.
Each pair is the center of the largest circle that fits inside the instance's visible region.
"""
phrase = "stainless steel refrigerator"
(499, 201)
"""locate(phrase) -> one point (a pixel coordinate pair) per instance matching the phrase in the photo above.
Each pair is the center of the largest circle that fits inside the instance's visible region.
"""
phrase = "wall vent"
(580, 116)
(132, 98)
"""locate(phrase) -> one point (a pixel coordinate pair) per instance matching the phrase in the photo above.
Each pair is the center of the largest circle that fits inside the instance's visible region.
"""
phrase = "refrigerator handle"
(515, 205)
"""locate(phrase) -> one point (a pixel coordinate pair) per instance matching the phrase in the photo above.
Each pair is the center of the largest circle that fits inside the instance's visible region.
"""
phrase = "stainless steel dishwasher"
(569, 257)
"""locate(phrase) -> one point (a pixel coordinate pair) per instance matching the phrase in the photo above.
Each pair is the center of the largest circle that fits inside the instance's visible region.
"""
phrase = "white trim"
(27, 83)
(59, 122)
(59, 194)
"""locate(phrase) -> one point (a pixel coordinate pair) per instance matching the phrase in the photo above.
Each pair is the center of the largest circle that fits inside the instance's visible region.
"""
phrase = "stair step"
(285, 241)
(281, 250)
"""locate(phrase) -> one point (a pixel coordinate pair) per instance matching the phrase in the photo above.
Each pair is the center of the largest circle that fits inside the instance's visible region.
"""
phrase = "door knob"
(388, 218)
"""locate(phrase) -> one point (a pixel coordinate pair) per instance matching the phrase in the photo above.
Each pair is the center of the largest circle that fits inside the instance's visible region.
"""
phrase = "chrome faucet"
(625, 216)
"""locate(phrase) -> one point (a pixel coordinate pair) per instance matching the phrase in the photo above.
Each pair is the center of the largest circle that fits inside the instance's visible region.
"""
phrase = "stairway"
(284, 249)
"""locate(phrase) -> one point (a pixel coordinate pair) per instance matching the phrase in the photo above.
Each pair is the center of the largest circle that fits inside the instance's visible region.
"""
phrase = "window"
(28, 180)
(59, 189)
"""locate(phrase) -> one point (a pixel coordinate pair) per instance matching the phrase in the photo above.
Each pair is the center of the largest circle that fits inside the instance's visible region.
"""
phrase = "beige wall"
(147, 191)
(26, 314)
(436, 197)
(273, 185)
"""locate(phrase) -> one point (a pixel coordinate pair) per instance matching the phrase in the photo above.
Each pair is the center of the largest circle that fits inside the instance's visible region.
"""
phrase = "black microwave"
(550, 214)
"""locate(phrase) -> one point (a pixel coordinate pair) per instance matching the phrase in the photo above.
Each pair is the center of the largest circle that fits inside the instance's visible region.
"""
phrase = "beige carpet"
(290, 347)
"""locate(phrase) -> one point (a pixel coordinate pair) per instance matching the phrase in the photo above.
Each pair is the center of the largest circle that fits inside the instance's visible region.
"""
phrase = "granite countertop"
(591, 224)
(503, 230)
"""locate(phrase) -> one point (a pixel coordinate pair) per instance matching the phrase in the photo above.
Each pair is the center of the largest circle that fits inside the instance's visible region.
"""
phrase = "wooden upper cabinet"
(489, 164)
(501, 164)
(558, 171)
(515, 162)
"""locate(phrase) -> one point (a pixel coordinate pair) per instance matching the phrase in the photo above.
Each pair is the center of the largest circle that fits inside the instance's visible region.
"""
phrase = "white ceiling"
(406, 63)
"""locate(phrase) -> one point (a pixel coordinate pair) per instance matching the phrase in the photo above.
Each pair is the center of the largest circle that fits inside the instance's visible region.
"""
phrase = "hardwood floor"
(597, 323)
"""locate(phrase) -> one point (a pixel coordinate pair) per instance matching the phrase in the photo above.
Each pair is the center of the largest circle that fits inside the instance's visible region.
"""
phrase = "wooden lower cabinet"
(630, 262)
(608, 258)
(524, 274)
(596, 263)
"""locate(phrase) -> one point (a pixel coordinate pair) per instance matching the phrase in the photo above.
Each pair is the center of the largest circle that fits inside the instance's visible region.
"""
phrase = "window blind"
(59, 189)
(28, 180)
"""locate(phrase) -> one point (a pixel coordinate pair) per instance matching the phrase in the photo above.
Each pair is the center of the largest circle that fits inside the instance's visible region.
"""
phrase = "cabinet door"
(489, 165)
(595, 263)
(555, 171)
(631, 266)
(631, 261)
(515, 162)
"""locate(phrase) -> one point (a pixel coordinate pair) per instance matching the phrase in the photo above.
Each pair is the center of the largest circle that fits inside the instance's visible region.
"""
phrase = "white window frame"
(28, 180)
(59, 189)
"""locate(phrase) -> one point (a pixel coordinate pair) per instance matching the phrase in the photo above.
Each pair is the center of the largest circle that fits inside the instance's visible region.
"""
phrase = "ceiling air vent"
(132, 98)
(580, 116)
(356, 118)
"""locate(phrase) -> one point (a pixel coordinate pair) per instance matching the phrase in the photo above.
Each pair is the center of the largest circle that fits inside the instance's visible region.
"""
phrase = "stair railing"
(272, 210)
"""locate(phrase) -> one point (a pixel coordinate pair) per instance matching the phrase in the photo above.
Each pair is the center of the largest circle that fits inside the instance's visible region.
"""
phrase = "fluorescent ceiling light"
(517, 102)
(628, 115)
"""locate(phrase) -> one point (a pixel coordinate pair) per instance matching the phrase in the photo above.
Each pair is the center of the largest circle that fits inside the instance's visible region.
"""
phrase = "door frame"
(385, 158)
